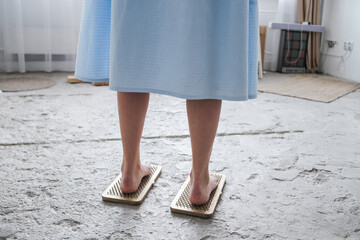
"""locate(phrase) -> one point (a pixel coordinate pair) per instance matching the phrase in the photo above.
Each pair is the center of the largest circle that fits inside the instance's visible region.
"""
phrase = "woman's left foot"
(131, 177)
(201, 188)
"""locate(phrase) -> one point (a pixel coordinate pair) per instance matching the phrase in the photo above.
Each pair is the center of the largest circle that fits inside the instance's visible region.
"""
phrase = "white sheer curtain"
(39, 35)
(286, 12)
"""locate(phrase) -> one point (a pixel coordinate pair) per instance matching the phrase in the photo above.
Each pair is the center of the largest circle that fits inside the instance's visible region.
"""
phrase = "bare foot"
(200, 189)
(131, 177)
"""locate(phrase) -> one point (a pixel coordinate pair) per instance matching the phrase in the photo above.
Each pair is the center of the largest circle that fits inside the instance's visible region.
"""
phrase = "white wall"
(267, 11)
(341, 19)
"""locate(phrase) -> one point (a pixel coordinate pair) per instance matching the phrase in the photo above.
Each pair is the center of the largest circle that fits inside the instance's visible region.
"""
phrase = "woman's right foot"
(201, 188)
(131, 177)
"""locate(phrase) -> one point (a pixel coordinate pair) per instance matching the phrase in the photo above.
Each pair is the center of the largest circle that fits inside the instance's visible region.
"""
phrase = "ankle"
(199, 177)
(130, 165)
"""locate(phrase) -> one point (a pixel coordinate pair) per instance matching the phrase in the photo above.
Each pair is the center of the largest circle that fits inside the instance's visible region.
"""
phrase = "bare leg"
(132, 109)
(203, 116)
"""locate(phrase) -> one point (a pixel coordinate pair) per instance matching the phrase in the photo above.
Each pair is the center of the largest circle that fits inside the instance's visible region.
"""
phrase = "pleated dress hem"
(166, 92)
(180, 95)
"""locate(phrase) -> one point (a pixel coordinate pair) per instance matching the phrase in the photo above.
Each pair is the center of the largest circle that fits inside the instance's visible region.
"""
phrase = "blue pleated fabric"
(193, 49)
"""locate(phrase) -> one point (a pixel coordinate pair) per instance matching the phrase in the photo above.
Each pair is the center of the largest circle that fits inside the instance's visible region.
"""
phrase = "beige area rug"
(310, 87)
(20, 82)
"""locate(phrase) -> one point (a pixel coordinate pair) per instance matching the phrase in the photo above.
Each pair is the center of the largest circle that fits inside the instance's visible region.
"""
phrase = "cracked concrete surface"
(292, 167)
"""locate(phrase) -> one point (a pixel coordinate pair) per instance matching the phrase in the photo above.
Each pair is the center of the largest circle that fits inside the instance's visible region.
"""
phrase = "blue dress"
(193, 49)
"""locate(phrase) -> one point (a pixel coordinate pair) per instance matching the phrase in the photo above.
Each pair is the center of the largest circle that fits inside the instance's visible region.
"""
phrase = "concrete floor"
(292, 167)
